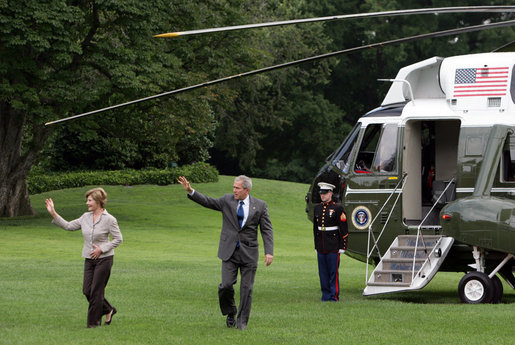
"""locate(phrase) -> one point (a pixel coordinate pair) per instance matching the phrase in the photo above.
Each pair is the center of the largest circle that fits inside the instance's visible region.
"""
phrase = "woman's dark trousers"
(96, 276)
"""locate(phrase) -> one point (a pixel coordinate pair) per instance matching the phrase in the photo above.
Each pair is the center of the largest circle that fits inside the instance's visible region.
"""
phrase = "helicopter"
(428, 177)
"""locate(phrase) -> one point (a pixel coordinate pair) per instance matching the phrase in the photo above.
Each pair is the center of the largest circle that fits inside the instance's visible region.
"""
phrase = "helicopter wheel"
(475, 288)
(498, 290)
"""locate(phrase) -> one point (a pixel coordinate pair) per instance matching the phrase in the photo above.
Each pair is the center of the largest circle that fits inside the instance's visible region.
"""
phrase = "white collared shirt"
(94, 232)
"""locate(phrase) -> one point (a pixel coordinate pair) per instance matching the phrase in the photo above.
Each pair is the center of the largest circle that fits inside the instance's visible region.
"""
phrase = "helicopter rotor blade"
(509, 47)
(296, 62)
(459, 9)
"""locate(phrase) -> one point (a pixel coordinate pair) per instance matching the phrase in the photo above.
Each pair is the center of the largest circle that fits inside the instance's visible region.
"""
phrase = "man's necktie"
(240, 214)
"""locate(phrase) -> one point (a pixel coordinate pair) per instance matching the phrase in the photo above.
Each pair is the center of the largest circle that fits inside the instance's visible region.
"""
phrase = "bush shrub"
(39, 182)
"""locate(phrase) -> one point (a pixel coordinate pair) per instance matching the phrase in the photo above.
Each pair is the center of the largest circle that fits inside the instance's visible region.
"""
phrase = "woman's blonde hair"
(99, 195)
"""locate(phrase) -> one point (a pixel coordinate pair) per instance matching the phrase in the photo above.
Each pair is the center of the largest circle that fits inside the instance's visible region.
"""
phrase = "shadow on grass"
(433, 297)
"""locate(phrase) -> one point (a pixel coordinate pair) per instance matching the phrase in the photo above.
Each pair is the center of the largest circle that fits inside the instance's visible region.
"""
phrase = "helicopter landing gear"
(498, 290)
(479, 287)
(475, 288)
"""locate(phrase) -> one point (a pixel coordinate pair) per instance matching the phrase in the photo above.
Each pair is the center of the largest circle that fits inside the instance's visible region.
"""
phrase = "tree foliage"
(59, 58)
(279, 125)
(175, 129)
(248, 116)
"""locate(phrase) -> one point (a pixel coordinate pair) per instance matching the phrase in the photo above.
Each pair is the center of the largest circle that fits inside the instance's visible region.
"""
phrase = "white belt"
(327, 228)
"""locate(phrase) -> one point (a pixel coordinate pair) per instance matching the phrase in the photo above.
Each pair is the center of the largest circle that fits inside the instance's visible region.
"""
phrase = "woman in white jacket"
(98, 251)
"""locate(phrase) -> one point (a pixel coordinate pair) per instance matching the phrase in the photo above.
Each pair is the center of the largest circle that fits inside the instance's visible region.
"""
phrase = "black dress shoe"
(112, 314)
(231, 321)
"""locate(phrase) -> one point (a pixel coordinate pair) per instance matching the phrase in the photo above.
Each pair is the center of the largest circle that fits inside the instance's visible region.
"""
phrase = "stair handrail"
(436, 202)
(389, 215)
(419, 232)
(427, 260)
(371, 234)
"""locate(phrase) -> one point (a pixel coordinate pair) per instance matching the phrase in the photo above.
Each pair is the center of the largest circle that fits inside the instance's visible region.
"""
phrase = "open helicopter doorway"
(430, 159)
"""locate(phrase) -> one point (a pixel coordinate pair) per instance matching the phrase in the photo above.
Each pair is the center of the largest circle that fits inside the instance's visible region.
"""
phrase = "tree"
(274, 129)
(59, 58)
(247, 114)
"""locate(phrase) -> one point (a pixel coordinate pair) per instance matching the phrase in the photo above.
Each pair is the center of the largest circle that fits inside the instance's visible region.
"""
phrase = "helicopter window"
(341, 157)
(512, 88)
(367, 149)
(508, 160)
(386, 150)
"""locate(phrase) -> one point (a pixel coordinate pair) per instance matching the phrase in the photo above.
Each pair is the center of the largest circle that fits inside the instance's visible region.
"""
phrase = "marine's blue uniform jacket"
(330, 228)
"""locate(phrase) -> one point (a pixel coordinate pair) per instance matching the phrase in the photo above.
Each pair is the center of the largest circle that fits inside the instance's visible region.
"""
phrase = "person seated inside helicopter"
(380, 165)
(362, 168)
(381, 160)
(364, 162)
(385, 166)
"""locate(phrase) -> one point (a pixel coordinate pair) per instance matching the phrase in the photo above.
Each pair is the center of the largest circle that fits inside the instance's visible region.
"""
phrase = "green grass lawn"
(165, 276)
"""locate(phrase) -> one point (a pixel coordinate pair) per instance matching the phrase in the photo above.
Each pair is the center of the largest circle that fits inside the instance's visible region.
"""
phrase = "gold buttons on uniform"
(323, 216)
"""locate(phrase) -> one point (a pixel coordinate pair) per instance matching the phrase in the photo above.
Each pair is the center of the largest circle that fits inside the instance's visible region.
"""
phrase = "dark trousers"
(328, 265)
(96, 276)
(226, 290)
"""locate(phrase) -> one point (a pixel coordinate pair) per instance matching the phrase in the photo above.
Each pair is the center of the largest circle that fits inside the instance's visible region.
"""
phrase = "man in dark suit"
(238, 247)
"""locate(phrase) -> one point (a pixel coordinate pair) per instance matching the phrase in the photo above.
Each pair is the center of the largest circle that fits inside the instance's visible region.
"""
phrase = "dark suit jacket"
(231, 233)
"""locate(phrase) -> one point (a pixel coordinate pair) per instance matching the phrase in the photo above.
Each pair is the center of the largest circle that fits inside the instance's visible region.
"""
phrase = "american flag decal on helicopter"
(485, 81)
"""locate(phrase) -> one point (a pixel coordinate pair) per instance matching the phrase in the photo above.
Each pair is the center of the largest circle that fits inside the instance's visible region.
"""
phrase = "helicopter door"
(373, 177)
(430, 159)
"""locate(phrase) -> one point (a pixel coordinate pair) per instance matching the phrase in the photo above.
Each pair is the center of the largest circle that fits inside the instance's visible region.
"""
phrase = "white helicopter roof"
(480, 88)
(454, 77)
(479, 81)
(421, 77)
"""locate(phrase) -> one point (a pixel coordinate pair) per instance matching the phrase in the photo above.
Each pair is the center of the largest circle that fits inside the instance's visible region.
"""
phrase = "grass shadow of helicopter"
(432, 297)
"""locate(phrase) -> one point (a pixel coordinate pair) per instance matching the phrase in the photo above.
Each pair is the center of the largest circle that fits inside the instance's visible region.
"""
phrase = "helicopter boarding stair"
(409, 264)
(411, 261)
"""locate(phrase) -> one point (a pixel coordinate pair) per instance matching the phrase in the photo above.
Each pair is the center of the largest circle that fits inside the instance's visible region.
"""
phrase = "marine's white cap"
(325, 187)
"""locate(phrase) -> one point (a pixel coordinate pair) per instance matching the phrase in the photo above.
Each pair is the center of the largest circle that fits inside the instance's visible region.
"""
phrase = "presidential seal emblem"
(361, 217)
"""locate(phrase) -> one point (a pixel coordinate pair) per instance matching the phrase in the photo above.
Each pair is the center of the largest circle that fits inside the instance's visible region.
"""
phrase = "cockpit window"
(508, 160)
(378, 150)
(512, 86)
(367, 149)
(386, 151)
(341, 157)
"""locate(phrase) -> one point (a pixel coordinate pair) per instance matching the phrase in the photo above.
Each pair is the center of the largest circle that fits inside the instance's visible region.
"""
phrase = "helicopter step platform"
(395, 272)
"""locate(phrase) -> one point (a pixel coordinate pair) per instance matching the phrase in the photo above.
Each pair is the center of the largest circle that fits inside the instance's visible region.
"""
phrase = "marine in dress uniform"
(331, 234)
